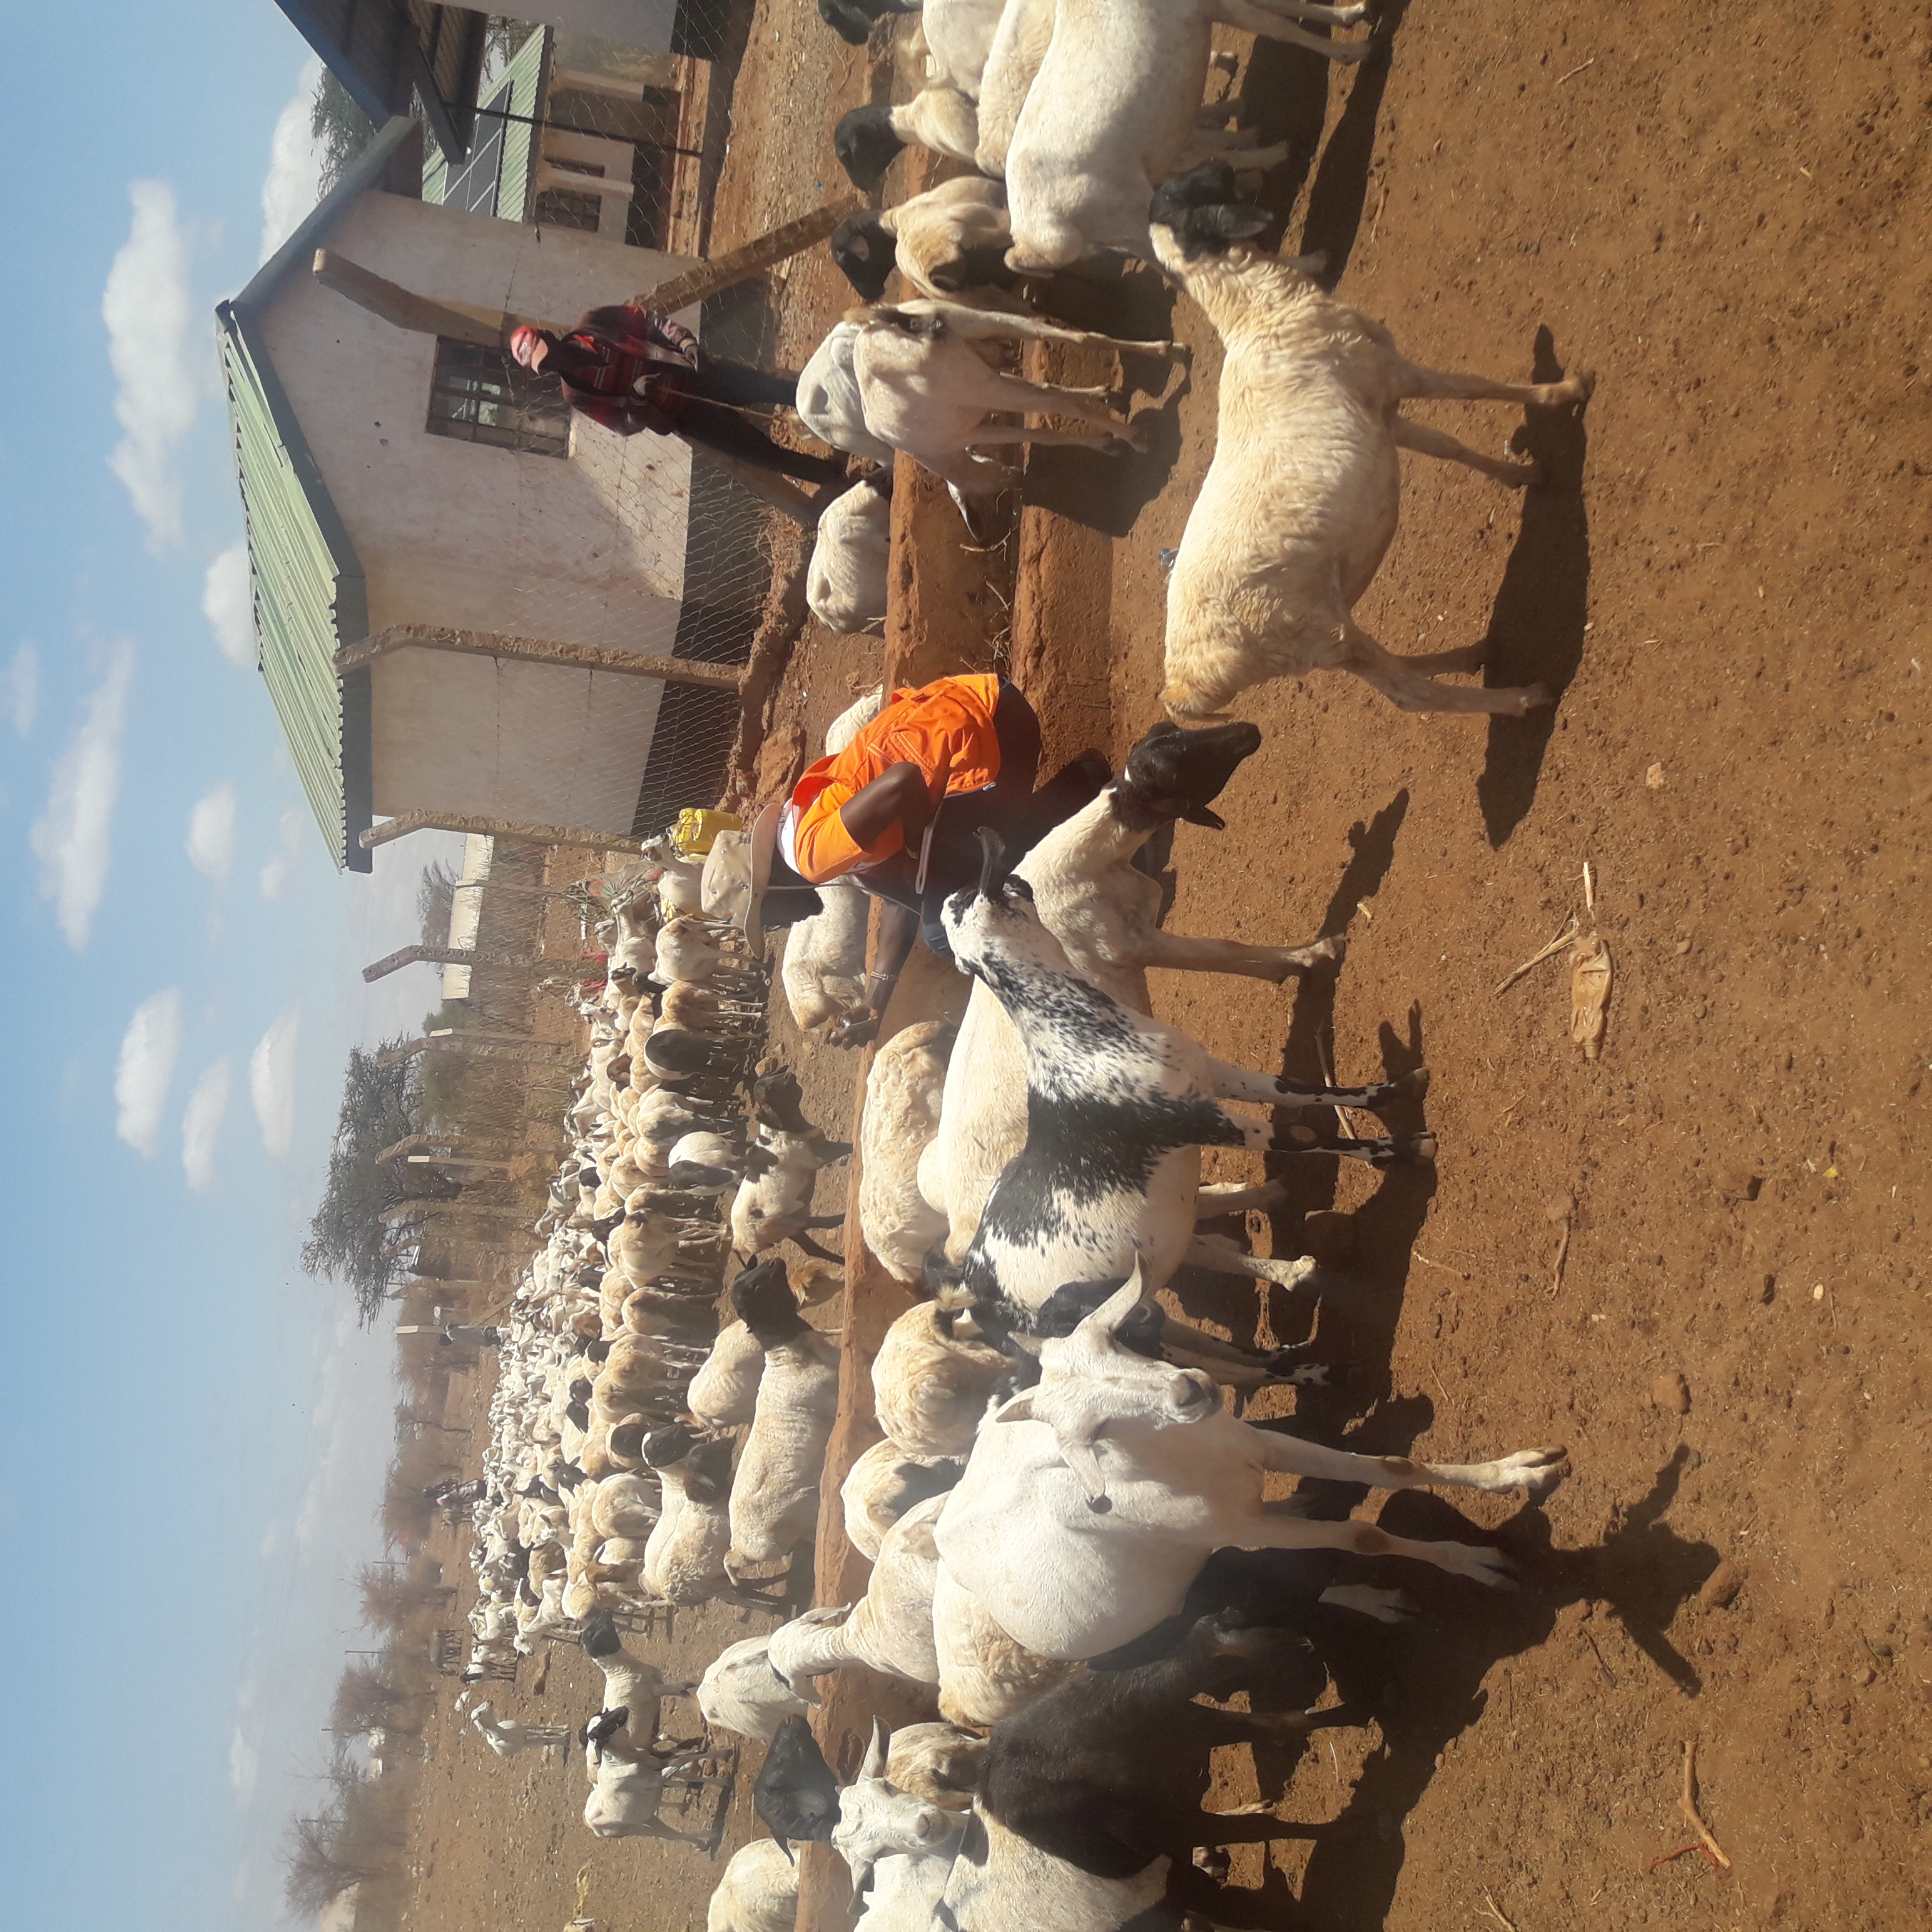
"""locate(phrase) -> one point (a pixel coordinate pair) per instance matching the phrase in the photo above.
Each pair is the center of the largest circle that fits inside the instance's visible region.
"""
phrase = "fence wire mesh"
(643, 543)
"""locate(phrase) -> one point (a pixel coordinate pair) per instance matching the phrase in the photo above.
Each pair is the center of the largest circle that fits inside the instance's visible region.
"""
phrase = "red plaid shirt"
(624, 366)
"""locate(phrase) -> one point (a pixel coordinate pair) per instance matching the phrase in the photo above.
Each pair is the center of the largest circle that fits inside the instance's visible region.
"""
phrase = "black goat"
(1108, 1770)
(852, 20)
(797, 1795)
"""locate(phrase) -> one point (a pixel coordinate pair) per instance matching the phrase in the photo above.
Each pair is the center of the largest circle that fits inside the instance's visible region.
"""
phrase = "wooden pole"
(491, 327)
(533, 650)
(517, 829)
(450, 956)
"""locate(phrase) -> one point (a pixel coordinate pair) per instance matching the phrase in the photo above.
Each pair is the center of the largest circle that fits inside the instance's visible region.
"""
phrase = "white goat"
(931, 1382)
(829, 405)
(952, 237)
(758, 1892)
(1112, 111)
(845, 587)
(740, 1692)
(774, 1492)
(899, 1119)
(824, 970)
(1300, 505)
(925, 387)
(1090, 1502)
(883, 1484)
(684, 951)
(506, 1737)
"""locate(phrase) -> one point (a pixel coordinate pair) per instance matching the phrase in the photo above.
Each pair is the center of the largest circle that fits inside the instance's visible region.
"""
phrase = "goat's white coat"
(775, 1488)
(899, 1119)
(824, 969)
(758, 1892)
(851, 551)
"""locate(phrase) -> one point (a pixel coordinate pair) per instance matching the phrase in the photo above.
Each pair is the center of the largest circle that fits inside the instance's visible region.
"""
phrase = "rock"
(1767, 1290)
(1329, 1237)
(1560, 1208)
(1671, 1392)
(1720, 1587)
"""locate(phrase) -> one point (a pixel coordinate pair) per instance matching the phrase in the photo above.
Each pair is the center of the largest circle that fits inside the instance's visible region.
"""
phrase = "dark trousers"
(1009, 806)
(710, 397)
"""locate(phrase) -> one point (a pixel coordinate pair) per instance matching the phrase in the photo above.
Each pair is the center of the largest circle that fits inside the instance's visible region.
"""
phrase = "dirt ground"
(1727, 215)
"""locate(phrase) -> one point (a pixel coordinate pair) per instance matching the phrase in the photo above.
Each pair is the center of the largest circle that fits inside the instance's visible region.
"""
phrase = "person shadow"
(1536, 626)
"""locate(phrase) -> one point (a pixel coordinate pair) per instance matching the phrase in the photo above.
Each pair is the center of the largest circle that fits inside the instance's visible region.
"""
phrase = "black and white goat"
(1116, 1103)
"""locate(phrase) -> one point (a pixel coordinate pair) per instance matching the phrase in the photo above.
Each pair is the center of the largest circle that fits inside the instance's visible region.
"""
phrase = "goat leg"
(1224, 1257)
(973, 323)
(1536, 1470)
(1427, 442)
(1236, 1083)
(1258, 19)
(1180, 952)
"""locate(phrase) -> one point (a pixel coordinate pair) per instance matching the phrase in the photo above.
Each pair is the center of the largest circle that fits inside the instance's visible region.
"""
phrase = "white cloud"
(72, 836)
(293, 183)
(228, 603)
(210, 831)
(201, 1127)
(150, 316)
(149, 1048)
(244, 1767)
(271, 1083)
(23, 689)
(276, 873)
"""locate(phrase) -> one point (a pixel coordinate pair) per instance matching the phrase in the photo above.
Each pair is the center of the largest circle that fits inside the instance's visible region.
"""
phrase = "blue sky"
(193, 1434)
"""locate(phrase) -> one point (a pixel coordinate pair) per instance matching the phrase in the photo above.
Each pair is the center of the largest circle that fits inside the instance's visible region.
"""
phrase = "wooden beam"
(448, 956)
(533, 650)
(740, 265)
(520, 830)
(417, 313)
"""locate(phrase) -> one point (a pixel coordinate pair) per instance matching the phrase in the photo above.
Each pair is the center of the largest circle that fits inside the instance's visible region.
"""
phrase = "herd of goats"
(1071, 1530)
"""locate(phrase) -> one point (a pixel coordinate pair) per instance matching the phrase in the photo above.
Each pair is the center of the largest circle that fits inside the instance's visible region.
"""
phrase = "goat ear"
(1015, 1409)
(875, 1765)
(1202, 814)
(1081, 1456)
(1229, 220)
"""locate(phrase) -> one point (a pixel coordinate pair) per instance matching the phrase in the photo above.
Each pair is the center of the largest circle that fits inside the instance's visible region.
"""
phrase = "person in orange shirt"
(915, 784)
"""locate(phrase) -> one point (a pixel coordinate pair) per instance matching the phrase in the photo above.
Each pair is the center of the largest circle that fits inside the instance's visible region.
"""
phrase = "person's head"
(529, 346)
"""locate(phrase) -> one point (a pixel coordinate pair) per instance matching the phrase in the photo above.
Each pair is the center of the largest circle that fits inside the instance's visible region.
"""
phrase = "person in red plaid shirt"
(630, 368)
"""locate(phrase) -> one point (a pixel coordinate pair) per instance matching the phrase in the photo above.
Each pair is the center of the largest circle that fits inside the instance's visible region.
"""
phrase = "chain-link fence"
(641, 544)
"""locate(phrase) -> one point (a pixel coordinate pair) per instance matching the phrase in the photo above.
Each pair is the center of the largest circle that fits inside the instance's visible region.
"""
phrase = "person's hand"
(854, 1032)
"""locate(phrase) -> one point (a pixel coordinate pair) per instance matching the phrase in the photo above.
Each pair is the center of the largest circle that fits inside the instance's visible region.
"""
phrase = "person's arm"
(898, 928)
(673, 335)
(901, 795)
(621, 415)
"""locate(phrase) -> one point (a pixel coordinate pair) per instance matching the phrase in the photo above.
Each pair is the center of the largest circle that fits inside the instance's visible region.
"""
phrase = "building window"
(479, 395)
(571, 207)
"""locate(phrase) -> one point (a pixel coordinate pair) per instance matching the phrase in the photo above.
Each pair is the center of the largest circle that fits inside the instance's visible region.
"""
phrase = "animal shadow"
(1536, 628)
(1285, 90)
(1105, 492)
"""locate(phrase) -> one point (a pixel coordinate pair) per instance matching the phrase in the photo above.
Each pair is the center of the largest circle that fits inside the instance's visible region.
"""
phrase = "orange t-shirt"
(948, 723)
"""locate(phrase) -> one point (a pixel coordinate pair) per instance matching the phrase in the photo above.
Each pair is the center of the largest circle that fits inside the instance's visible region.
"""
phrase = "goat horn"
(993, 849)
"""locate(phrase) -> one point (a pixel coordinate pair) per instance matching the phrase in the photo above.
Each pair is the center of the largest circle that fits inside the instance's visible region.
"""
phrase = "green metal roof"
(305, 580)
(506, 145)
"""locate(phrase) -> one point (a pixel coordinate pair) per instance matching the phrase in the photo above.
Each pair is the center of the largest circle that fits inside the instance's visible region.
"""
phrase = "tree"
(391, 1598)
(348, 1240)
(340, 128)
(365, 1700)
(317, 1868)
(436, 900)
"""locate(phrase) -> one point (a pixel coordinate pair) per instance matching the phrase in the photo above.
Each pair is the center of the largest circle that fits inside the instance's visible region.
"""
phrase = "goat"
(758, 1892)
(1073, 1560)
(867, 141)
(882, 1485)
(852, 20)
(1117, 1104)
(930, 1383)
(724, 1393)
(1108, 1770)
(1112, 111)
(925, 388)
(953, 238)
(684, 951)
(506, 1737)
(845, 587)
(897, 1122)
(828, 404)
(740, 1691)
(775, 1492)
(824, 970)
(684, 1559)
(1093, 896)
(1281, 542)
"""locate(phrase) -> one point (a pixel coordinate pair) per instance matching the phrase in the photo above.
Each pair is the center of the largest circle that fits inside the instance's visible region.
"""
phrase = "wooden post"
(450, 956)
(533, 650)
(491, 327)
(517, 829)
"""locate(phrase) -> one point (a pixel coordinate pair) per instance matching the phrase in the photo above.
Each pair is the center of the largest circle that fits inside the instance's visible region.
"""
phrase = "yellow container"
(697, 827)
